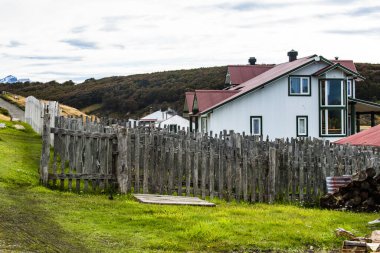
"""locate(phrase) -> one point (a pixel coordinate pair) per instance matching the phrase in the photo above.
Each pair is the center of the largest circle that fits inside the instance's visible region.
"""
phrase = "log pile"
(361, 195)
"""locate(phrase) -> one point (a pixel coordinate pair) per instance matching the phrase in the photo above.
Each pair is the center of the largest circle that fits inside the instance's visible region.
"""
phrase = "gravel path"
(13, 110)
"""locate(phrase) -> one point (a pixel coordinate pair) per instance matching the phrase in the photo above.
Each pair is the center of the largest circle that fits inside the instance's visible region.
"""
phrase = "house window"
(349, 88)
(256, 125)
(332, 92)
(302, 126)
(333, 107)
(173, 128)
(204, 124)
(299, 86)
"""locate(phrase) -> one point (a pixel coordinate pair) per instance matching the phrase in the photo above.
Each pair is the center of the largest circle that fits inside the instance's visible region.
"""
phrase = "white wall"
(278, 110)
(34, 112)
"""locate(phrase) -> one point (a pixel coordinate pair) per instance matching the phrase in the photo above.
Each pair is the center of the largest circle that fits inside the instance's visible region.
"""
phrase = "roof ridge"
(256, 65)
(222, 91)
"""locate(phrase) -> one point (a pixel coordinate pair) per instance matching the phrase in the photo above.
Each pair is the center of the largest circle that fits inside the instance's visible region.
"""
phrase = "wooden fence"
(228, 165)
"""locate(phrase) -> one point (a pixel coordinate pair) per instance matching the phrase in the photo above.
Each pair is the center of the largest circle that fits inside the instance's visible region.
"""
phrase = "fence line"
(229, 166)
(34, 112)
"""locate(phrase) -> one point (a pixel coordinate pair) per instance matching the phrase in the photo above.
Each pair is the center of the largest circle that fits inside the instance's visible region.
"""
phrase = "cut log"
(362, 194)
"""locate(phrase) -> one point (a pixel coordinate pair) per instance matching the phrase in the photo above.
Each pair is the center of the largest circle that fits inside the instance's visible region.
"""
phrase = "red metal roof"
(266, 77)
(369, 137)
(324, 70)
(190, 100)
(347, 63)
(242, 73)
(208, 98)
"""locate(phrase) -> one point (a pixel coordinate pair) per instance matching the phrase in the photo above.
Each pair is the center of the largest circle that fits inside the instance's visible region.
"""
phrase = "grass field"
(33, 218)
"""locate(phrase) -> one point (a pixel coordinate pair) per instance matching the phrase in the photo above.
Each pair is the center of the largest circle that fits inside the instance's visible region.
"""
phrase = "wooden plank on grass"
(171, 200)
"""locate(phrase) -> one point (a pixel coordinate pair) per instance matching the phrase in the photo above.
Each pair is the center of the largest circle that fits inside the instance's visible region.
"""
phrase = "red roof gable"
(189, 96)
(208, 98)
(242, 73)
(347, 63)
(369, 137)
(266, 77)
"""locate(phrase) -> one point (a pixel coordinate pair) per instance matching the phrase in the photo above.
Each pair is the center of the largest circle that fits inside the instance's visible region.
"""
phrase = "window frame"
(204, 119)
(349, 83)
(301, 77)
(306, 125)
(342, 107)
(260, 118)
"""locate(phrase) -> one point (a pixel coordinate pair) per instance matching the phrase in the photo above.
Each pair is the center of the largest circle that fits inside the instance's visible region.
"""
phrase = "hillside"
(369, 89)
(126, 96)
(132, 96)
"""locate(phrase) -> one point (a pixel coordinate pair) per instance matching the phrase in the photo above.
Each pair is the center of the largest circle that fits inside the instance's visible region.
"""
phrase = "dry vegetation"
(5, 118)
(66, 110)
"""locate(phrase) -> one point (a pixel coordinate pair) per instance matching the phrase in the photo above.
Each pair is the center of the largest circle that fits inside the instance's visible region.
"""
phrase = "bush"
(4, 112)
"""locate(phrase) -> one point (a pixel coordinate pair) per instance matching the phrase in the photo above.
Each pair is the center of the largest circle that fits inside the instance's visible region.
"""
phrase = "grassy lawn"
(33, 218)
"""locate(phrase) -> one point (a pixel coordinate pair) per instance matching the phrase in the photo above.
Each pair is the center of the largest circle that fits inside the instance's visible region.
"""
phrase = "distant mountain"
(13, 79)
(136, 95)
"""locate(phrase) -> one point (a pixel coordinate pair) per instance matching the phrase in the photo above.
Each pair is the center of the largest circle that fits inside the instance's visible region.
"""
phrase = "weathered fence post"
(122, 165)
(272, 174)
(45, 155)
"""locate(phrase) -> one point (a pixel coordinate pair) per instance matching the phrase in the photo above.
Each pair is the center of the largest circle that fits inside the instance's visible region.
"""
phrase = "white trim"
(301, 78)
(299, 119)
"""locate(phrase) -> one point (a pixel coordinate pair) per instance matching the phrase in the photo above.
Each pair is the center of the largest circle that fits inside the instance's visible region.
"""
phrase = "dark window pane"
(305, 85)
(323, 121)
(295, 85)
(256, 126)
(334, 95)
(323, 90)
(349, 88)
(335, 121)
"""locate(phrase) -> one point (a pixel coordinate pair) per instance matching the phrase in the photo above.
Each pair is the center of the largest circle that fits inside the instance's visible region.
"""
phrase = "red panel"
(190, 100)
(208, 98)
(347, 63)
(369, 137)
(242, 73)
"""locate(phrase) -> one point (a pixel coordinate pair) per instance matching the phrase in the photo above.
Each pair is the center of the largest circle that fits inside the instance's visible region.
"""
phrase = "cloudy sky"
(78, 39)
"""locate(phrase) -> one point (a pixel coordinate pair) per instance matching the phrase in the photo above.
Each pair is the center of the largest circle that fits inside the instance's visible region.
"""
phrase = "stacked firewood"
(362, 194)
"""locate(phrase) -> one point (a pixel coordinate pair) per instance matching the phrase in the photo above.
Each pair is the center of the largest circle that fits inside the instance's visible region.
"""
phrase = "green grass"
(34, 218)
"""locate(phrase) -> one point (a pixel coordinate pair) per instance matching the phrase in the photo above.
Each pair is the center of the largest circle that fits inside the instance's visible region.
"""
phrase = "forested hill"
(369, 89)
(133, 96)
(127, 96)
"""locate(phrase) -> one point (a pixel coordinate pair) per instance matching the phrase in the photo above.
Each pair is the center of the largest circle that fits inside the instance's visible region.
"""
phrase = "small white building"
(156, 117)
(311, 96)
(163, 119)
(174, 123)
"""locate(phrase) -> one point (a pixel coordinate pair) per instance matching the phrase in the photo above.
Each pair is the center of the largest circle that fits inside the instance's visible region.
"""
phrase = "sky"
(75, 40)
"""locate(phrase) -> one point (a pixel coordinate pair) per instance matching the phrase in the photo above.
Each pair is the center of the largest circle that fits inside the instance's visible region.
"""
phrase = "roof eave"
(262, 85)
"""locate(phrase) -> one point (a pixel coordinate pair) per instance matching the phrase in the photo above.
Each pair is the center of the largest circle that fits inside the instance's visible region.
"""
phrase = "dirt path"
(13, 110)
(26, 226)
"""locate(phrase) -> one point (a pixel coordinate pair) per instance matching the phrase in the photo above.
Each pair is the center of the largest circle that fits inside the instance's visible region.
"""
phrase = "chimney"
(336, 58)
(252, 60)
(292, 55)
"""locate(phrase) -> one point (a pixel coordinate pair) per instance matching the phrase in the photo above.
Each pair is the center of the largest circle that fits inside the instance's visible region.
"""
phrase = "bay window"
(333, 109)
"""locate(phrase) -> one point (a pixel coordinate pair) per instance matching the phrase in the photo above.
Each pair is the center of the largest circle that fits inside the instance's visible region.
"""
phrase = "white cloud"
(97, 38)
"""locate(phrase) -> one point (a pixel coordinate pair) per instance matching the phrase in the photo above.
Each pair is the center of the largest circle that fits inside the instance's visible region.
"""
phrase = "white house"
(157, 117)
(174, 123)
(310, 96)
(163, 119)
